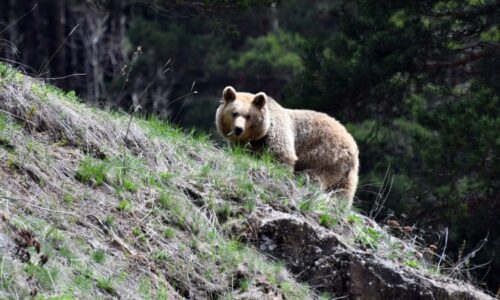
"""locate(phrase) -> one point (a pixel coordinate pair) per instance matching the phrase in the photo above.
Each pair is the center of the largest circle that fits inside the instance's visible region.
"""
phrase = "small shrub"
(5, 143)
(151, 181)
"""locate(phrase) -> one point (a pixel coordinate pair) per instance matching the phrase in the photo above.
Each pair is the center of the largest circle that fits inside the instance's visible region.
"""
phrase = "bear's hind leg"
(340, 186)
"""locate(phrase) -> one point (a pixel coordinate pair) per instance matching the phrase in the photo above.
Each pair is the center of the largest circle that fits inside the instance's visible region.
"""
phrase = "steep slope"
(97, 204)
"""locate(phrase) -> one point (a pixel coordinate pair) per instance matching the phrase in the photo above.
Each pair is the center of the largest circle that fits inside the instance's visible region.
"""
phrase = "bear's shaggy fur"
(306, 140)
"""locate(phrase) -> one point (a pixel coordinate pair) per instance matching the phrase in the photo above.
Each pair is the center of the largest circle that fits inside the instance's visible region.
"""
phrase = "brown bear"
(304, 139)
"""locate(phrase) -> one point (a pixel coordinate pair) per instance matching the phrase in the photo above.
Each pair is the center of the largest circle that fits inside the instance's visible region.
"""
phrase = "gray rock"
(317, 256)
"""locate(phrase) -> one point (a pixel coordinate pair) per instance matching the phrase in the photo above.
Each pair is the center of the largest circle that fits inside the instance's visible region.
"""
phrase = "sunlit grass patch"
(125, 205)
(92, 170)
(160, 128)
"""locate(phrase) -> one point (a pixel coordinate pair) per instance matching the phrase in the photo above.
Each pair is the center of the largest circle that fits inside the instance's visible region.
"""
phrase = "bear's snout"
(238, 131)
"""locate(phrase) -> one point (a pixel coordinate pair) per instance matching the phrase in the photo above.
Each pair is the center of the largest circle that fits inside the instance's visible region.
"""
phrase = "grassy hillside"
(96, 204)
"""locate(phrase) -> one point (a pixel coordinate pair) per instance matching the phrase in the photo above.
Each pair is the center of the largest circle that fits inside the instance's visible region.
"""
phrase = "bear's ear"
(229, 94)
(260, 100)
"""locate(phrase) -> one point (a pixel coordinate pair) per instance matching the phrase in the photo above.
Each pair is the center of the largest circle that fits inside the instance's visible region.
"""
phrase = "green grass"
(369, 237)
(66, 252)
(7, 73)
(109, 220)
(5, 141)
(412, 263)
(106, 284)
(145, 288)
(130, 185)
(160, 128)
(84, 280)
(58, 297)
(69, 199)
(7, 276)
(167, 201)
(3, 122)
(160, 255)
(54, 235)
(224, 212)
(167, 176)
(327, 220)
(244, 284)
(92, 170)
(354, 219)
(306, 205)
(125, 205)
(46, 277)
(245, 186)
(99, 256)
(205, 170)
(169, 233)
(137, 232)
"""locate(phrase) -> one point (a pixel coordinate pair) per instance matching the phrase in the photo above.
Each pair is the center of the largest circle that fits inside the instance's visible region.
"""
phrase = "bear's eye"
(235, 114)
(247, 117)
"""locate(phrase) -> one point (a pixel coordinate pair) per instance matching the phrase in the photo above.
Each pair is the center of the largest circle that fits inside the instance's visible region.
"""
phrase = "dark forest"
(417, 83)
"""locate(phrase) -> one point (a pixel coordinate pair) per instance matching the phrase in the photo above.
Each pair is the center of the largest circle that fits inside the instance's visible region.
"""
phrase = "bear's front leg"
(288, 159)
(283, 148)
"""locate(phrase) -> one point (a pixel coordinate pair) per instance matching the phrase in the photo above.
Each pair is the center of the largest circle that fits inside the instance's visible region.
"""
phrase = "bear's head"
(242, 117)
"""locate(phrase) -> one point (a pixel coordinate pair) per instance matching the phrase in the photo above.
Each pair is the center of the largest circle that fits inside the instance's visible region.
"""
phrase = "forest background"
(416, 82)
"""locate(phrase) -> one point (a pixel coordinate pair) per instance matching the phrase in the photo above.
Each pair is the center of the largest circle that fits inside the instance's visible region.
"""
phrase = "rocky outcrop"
(318, 256)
